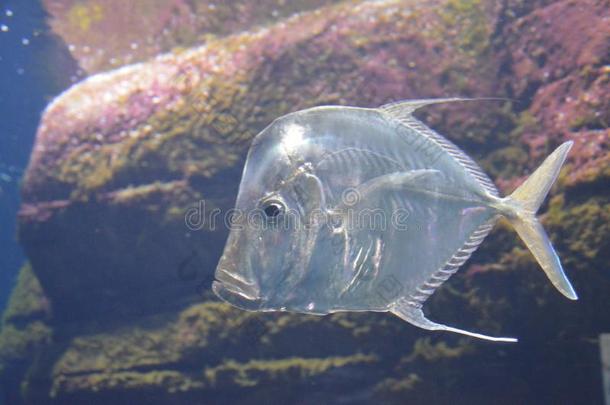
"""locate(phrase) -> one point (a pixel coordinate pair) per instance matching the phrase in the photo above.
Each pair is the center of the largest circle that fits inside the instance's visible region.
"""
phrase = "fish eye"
(273, 209)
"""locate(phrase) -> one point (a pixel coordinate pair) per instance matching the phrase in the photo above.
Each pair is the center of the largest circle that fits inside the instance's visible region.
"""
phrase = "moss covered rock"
(103, 35)
(25, 334)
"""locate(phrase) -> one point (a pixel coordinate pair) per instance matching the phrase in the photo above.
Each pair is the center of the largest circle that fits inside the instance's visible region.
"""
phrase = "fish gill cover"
(115, 303)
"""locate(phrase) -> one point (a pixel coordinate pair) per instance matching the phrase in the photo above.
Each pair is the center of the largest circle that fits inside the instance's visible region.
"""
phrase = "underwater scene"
(305, 202)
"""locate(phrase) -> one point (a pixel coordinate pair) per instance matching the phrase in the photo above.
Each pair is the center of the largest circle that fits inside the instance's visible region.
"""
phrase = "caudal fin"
(521, 208)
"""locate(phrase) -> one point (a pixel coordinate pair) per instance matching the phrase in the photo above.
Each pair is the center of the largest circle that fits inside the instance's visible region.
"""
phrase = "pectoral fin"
(415, 316)
(390, 182)
(363, 240)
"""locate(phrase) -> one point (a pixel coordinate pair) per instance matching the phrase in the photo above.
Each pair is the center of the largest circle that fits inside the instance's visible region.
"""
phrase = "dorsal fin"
(402, 112)
(344, 159)
(406, 107)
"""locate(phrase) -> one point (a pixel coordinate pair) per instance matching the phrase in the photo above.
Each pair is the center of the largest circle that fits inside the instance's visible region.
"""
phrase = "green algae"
(411, 370)
(398, 385)
(229, 372)
(470, 20)
(582, 230)
(22, 342)
(158, 340)
(25, 333)
(27, 301)
(84, 16)
(254, 372)
(164, 353)
(179, 141)
(425, 349)
(590, 120)
(357, 325)
(167, 381)
(149, 342)
(506, 162)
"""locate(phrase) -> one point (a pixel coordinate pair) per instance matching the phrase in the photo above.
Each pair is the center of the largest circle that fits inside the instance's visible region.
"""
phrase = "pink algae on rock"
(103, 35)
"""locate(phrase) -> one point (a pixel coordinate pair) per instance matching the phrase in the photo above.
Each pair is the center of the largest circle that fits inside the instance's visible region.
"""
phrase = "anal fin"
(415, 316)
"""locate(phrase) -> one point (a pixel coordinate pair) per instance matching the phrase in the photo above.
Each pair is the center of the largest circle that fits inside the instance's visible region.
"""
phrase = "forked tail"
(520, 209)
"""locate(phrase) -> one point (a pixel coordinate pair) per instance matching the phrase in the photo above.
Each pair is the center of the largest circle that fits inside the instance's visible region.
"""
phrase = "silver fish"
(359, 209)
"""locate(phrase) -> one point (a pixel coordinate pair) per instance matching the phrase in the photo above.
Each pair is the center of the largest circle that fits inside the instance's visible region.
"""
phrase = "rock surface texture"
(115, 303)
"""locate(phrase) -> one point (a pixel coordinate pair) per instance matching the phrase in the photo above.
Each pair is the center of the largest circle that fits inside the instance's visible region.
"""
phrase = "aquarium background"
(107, 256)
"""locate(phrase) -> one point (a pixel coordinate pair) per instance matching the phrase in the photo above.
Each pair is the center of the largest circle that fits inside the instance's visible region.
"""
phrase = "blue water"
(25, 89)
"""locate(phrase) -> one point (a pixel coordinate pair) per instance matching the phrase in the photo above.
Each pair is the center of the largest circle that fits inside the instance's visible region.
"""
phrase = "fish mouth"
(235, 290)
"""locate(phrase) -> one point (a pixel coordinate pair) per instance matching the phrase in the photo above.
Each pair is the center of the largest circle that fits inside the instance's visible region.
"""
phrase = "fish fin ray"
(533, 191)
(423, 292)
(349, 154)
(402, 112)
(521, 209)
(390, 182)
(415, 316)
(408, 106)
(359, 265)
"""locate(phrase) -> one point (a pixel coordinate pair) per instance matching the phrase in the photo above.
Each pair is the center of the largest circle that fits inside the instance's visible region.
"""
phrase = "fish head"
(271, 238)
